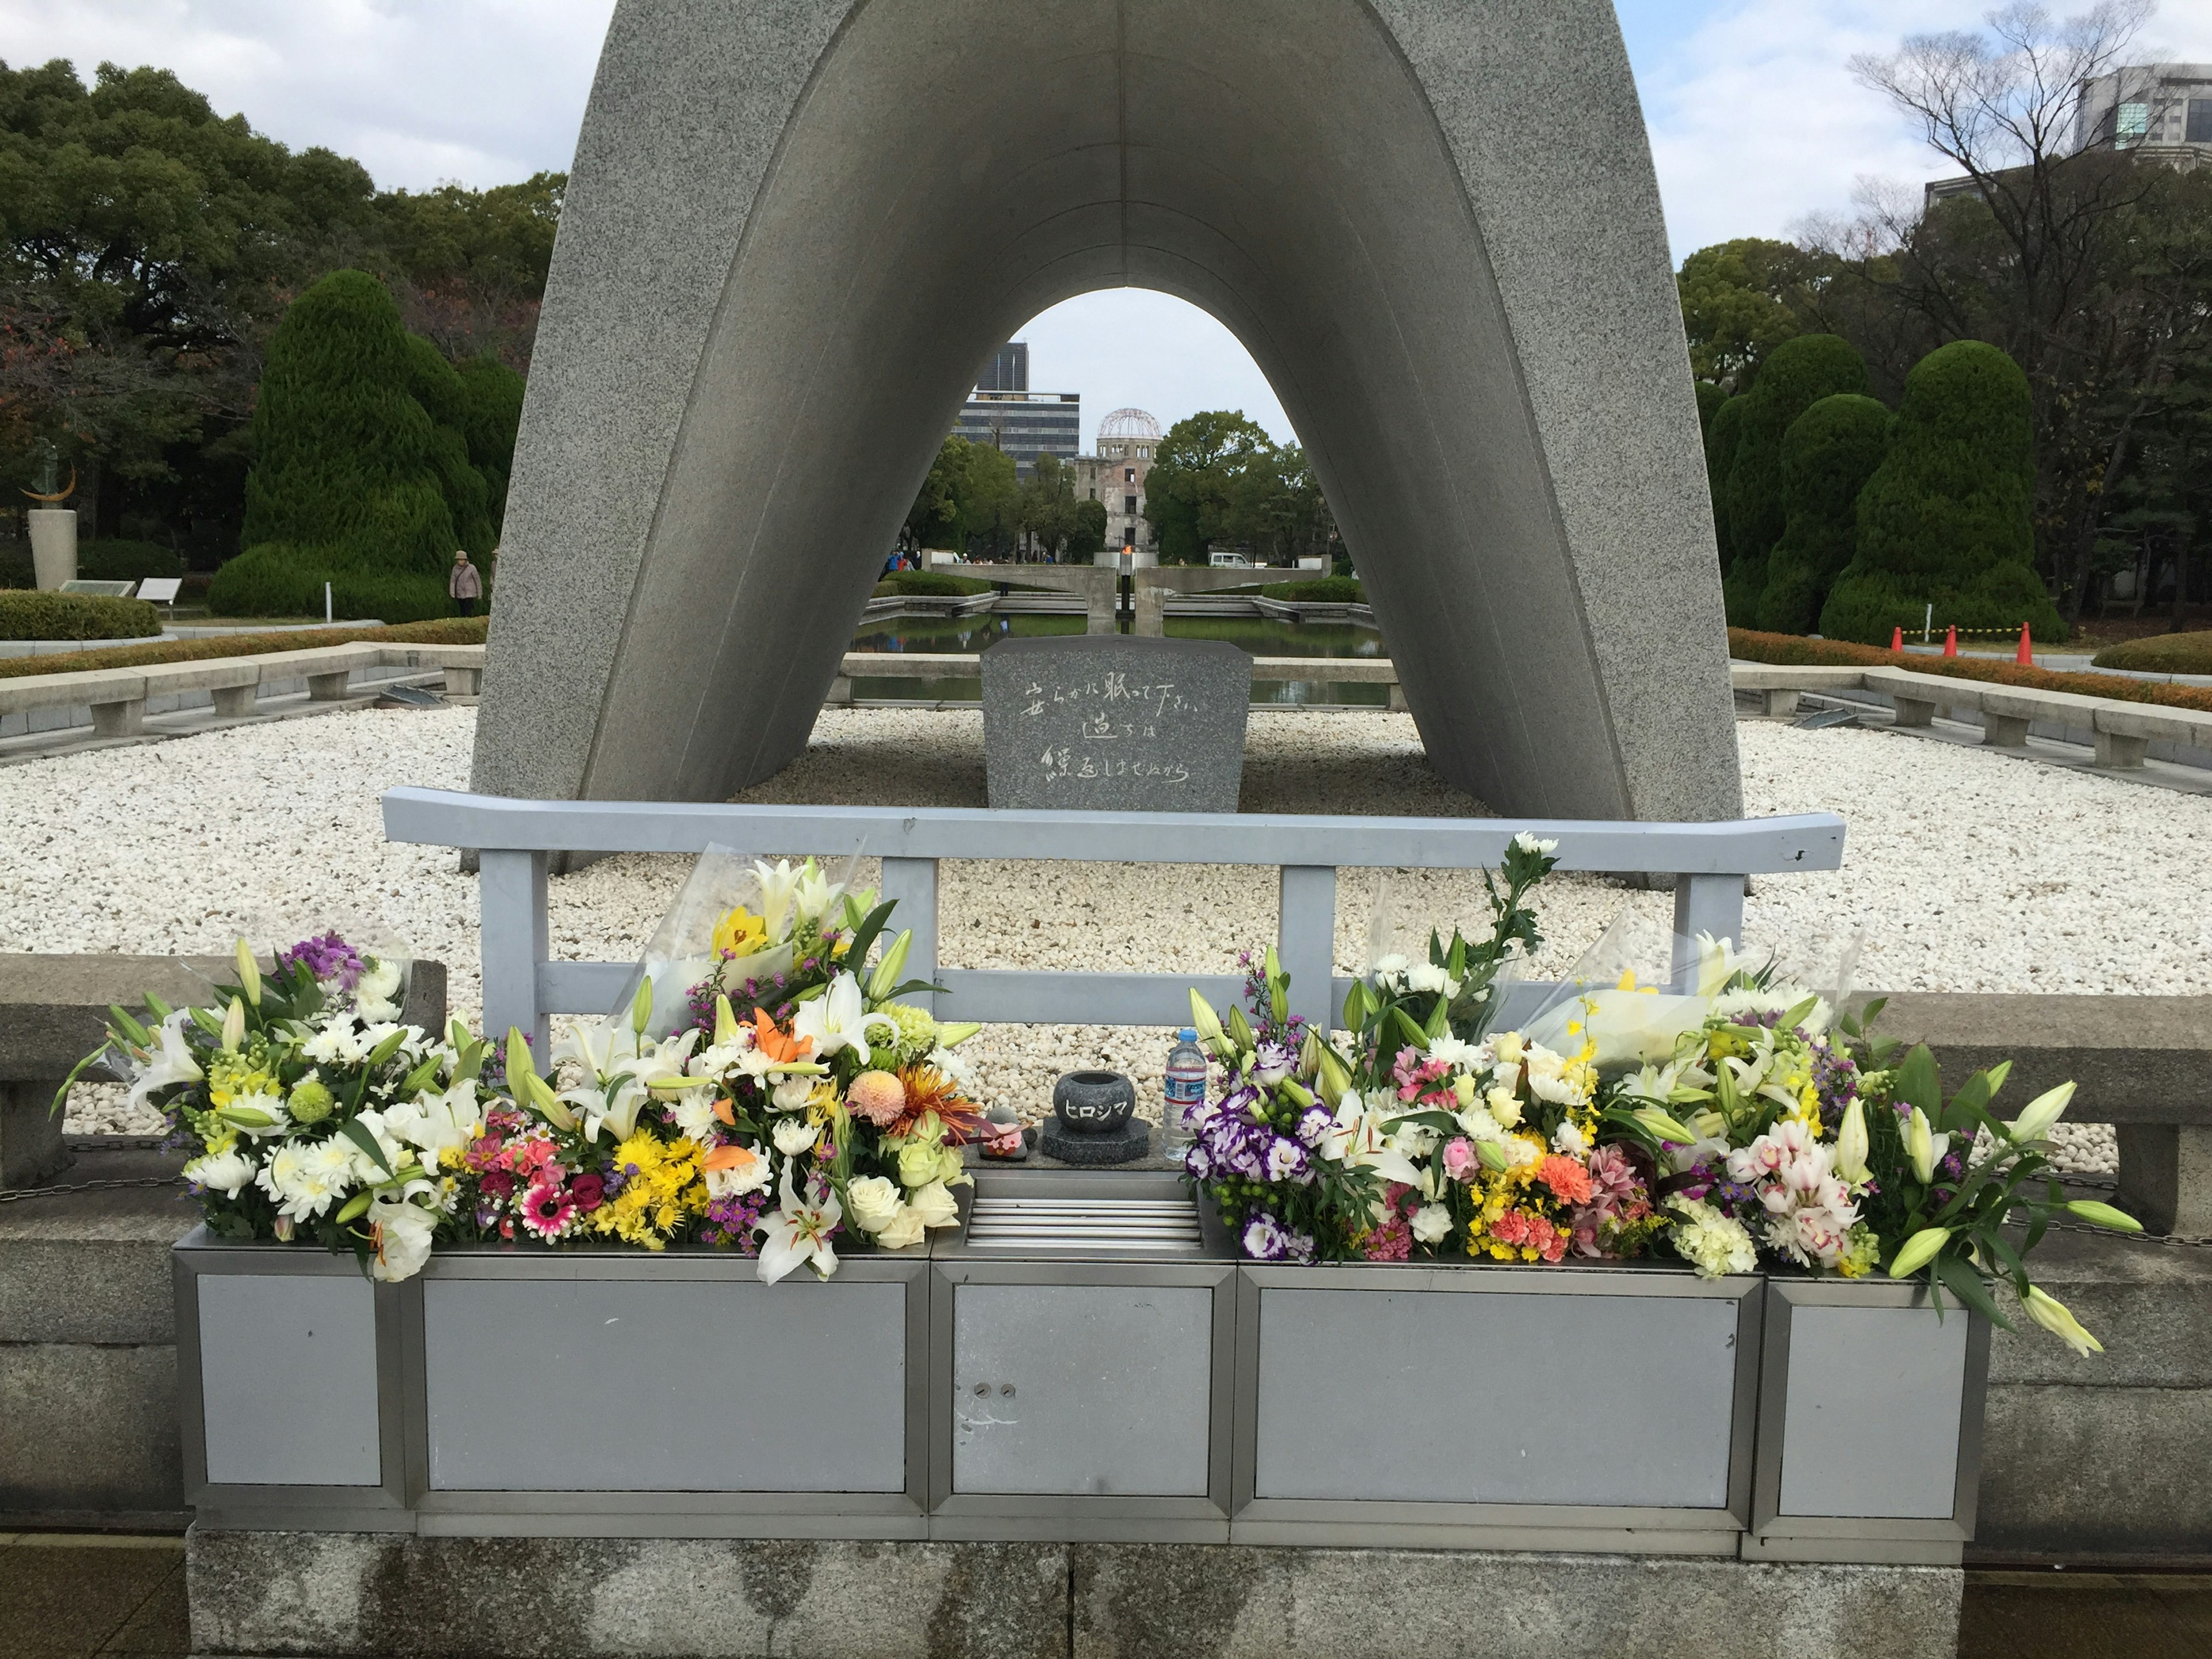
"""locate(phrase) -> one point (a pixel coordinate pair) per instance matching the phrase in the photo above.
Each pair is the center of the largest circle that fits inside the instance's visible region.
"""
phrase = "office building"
(1006, 414)
(2156, 112)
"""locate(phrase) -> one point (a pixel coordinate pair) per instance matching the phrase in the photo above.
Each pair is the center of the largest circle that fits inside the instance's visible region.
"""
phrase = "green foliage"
(491, 415)
(1088, 537)
(1741, 300)
(275, 581)
(451, 630)
(2164, 653)
(360, 470)
(125, 561)
(931, 584)
(1796, 375)
(1217, 477)
(1945, 518)
(1828, 455)
(34, 616)
(1322, 590)
(1709, 399)
(1722, 437)
(972, 490)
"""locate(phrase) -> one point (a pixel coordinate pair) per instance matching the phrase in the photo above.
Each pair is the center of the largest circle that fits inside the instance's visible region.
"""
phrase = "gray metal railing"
(515, 839)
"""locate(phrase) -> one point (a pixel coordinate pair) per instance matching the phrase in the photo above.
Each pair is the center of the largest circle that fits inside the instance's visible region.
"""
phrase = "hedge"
(1944, 521)
(1827, 456)
(929, 584)
(271, 580)
(453, 630)
(35, 616)
(1796, 375)
(1792, 649)
(2161, 653)
(1320, 590)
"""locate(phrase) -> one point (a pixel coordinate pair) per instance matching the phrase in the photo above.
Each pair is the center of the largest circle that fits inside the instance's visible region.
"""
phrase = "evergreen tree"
(1722, 433)
(491, 413)
(1828, 455)
(1945, 518)
(1796, 375)
(1709, 399)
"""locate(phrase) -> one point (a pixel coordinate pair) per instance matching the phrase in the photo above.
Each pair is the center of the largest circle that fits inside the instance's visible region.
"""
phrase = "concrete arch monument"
(795, 226)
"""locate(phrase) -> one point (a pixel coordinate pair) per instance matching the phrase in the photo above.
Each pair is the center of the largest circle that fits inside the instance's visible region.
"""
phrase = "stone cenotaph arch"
(794, 228)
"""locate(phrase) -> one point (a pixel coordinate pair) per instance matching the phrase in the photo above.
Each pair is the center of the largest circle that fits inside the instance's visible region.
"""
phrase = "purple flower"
(1242, 1102)
(1271, 1063)
(327, 957)
(1287, 1161)
(1314, 1124)
(1265, 1239)
(1298, 1247)
(1199, 1162)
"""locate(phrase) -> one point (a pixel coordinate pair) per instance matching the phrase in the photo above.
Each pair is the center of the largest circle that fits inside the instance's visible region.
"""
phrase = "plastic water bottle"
(1186, 1092)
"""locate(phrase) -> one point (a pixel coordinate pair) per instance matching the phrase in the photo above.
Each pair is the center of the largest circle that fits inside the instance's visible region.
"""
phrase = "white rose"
(1431, 1221)
(872, 1201)
(936, 1206)
(794, 1136)
(1424, 976)
(903, 1230)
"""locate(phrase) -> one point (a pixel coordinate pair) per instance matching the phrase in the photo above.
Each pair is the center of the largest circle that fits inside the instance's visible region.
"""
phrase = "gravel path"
(1974, 871)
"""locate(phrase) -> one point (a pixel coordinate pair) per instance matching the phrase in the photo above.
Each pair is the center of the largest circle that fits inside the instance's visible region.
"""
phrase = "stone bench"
(2125, 731)
(118, 696)
(1778, 685)
(2143, 1064)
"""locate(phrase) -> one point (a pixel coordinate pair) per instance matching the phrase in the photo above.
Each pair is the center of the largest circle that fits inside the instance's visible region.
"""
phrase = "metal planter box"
(1869, 1424)
(1563, 1407)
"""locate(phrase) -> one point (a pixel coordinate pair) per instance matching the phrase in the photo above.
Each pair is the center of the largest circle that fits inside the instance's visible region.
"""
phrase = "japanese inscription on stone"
(1113, 723)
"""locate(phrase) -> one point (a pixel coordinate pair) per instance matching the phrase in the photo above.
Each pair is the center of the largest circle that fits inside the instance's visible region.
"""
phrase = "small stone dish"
(1094, 1102)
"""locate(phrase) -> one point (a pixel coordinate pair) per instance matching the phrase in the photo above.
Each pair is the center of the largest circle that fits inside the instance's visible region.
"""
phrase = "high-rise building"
(1006, 414)
(2160, 109)
(1127, 441)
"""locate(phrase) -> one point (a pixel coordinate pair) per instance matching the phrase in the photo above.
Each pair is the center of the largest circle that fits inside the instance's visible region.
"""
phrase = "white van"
(1229, 560)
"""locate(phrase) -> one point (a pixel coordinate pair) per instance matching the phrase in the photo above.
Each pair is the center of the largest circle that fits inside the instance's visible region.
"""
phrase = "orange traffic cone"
(1951, 641)
(1897, 638)
(2025, 655)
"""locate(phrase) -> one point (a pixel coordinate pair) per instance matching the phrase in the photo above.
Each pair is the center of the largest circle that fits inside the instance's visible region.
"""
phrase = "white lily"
(798, 1232)
(2053, 1315)
(813, 895)
(1717, 964)
(839, 1018)
(1851, 1144)
(2045, 1109)
(170, 1062)
(1926, 1149)
(780, 886)
(233, 1026)
(437, 1123)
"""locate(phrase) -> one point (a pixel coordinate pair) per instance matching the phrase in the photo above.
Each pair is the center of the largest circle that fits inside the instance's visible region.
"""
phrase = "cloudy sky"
(1754, 122)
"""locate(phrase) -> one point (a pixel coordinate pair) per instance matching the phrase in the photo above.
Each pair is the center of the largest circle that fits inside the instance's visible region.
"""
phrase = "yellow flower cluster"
(657, 1199)
(230, 1075)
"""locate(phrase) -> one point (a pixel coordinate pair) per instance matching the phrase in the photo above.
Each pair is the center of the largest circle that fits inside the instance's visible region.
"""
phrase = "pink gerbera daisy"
(546, 1211)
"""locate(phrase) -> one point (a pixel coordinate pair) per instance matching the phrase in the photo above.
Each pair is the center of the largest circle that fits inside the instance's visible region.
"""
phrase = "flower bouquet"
(1734, 1120)
(308, 1111)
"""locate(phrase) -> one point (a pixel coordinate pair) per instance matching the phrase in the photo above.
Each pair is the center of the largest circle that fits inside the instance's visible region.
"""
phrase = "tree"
(1798, 375)
(491, 415)
(1828, 455)
(1200, 487)
(1740, 300)
(1946, 518)
(1722, 437)
(468, 267)
(1709, 399)
(353, 471)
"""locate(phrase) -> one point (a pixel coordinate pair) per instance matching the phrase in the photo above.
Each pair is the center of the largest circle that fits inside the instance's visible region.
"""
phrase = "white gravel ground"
(1974, 871)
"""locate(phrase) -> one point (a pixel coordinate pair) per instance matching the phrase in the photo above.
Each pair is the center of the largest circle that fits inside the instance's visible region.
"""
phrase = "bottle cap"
(1188, 1034)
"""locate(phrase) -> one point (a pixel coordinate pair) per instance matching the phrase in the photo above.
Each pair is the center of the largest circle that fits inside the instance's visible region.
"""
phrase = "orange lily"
(769, 1040)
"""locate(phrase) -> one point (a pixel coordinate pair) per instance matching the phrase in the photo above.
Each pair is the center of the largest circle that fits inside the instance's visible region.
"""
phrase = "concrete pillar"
(2004, 731)
(1911, 711)
(235, 703)
(2121, 752)
(468, 682)
(1152, 611)
(53, 546)
(31, 1149)
(125, 719)
(1778, 703)
(328, 688)
(2166, 1177)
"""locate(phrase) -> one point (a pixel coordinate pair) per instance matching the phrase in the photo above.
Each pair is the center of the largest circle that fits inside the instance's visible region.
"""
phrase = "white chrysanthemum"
(304, 1179)
(694, 1112)
(228, 1173)
(376, 993)
(1711, 1242)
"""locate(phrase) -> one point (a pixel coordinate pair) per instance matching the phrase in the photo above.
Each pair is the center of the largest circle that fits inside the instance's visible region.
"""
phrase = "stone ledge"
(346, 1596)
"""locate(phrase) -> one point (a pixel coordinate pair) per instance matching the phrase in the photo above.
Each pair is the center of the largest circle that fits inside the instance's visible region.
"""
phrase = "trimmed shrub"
(1827, 456)
(1793, 649)
(282, 581)
(1320, 590)
(929, 584)
(1720, 440)
(35, 616)
(2161, 653)
(491, 413)
(1945, 517)
(17, 568)
(437, 386)
(452, 630)
(126, 561)
(1796, 375)
(350, 470)
(1709, 399)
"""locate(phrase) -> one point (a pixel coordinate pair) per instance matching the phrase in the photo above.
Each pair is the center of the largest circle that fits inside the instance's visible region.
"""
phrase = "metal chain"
(2133, 1238)
(16, 1194)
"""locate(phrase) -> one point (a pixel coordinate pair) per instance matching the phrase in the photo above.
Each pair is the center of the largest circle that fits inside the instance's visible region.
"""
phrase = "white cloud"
(1755, 120)
(485, 92)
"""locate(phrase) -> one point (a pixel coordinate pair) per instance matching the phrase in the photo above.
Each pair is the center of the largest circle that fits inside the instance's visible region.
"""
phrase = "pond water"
(1260, 636)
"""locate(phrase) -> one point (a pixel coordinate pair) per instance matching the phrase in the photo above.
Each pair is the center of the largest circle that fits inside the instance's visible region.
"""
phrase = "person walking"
(466, 584)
